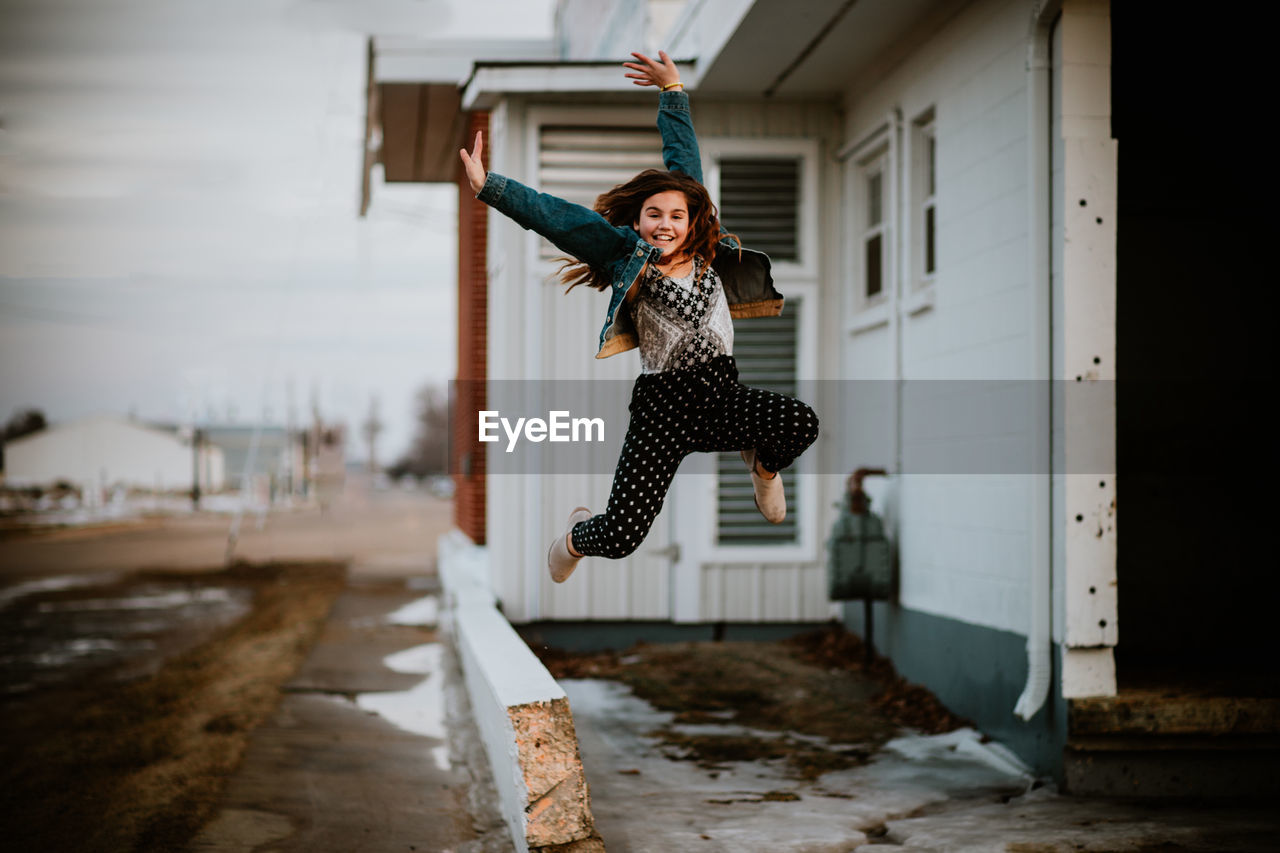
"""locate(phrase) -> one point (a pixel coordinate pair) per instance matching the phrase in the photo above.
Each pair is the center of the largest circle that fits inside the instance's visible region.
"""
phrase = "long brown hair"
(622, 205)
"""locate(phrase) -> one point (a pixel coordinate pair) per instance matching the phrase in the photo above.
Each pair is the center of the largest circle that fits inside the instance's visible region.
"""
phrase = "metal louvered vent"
(765, 350)
(579, 163)
(760, 202)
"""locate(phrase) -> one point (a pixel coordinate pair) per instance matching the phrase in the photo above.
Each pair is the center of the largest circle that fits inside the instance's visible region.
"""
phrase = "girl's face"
(664, 222)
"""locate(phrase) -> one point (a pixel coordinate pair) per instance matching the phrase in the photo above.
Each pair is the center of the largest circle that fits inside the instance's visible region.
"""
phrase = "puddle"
(10, 594)
(67, 637)
(420, 709)
(77, 650)
(149, 600)
(429, 583)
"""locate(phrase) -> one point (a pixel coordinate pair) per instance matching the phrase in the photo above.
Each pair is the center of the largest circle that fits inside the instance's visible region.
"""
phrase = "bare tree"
(429, 452)
(23, 422)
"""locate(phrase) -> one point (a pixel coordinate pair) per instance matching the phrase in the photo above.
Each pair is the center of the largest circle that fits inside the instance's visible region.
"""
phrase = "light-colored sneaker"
(559, 560)
(771, 500)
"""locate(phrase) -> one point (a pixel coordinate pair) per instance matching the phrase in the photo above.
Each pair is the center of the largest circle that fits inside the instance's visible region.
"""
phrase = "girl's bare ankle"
(568, 541)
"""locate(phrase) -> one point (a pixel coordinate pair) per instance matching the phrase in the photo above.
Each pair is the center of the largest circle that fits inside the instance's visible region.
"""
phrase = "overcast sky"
(179, 237)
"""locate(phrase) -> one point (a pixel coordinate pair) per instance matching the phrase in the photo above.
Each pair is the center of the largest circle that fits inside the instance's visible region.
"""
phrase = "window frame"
(874, 152)
(716, 148)
(799, 281)
(875, 168)
(922, 155)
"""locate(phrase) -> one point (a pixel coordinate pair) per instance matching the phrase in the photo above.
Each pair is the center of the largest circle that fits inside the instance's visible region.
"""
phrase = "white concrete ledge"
(522, 713)
(464, 571)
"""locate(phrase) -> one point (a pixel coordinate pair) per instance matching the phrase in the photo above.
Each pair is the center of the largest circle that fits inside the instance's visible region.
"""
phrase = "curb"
(522, 713)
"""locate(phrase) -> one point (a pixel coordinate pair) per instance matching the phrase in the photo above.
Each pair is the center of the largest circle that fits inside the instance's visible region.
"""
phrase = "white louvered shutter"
(765, 349)
(760, 203)
(578, 163)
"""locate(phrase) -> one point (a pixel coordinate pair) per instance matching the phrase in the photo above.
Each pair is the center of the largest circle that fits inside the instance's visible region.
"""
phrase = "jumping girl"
(675, 279)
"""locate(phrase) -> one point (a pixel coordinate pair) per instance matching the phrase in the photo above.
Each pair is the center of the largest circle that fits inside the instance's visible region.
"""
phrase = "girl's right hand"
(474, 164)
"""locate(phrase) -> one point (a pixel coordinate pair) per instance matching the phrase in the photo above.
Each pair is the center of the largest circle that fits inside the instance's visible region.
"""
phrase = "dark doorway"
(1195, 359)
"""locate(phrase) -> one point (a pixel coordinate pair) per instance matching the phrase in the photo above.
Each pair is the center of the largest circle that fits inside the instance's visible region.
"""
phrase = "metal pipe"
(1040, 618)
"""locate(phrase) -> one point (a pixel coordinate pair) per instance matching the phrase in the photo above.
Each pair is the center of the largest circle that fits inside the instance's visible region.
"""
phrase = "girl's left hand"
(653, 73)
(473, 163)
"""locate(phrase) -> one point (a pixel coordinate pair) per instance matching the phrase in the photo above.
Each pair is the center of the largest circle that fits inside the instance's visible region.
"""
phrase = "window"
(891, 182)
(930, 234)
(766, 191)
(924, 181)
(875, 231)
(760, 203)
(871, 183)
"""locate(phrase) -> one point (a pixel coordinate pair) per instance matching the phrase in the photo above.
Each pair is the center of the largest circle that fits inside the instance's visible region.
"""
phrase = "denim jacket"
(589, 237)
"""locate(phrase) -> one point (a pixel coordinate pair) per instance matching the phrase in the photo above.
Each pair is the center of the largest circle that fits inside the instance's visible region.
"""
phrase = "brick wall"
(467, 459)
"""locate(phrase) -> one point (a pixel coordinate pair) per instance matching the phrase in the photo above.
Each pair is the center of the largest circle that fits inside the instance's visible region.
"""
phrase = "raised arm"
(675, 123)
(579, 231)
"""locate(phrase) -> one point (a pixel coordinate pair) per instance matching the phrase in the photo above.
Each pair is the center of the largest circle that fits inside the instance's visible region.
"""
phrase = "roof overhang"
(491, 81)
(816, 49)
(421, 128)
(414, 120)
(420, 89)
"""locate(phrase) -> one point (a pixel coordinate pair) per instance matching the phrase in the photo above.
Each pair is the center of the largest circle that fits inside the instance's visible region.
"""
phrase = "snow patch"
(423, 612)
(420, 709)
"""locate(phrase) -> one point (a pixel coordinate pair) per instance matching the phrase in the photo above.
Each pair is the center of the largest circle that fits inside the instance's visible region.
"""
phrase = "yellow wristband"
(671, 86)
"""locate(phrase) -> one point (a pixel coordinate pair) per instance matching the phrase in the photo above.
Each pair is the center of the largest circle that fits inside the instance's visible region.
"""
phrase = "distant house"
(274, 454)
(979, 215)
(106, 452)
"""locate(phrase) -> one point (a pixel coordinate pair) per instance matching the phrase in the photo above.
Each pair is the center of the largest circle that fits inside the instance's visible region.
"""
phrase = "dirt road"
(138, 669)
(383, 532)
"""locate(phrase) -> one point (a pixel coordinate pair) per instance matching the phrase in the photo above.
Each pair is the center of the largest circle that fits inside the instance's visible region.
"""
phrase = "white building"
(942, 181)
(105, 452)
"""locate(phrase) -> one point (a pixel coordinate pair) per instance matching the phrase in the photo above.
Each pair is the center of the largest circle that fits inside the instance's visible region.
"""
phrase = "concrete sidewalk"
(949, 792)
(372, 747)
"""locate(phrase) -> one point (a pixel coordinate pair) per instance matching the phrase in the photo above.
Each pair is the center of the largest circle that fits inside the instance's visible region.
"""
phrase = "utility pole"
(197, 439)
(369, 429)
(291, 436)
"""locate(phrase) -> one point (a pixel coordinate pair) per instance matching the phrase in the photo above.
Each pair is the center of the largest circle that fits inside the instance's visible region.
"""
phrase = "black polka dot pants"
(678, 412)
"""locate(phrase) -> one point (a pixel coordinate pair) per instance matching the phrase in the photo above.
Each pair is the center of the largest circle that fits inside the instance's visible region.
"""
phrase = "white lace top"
(682, 322)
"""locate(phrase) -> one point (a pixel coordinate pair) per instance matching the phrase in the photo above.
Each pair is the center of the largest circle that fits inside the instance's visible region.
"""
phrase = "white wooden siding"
(964, 539)
(538, 332)
(764, 592)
